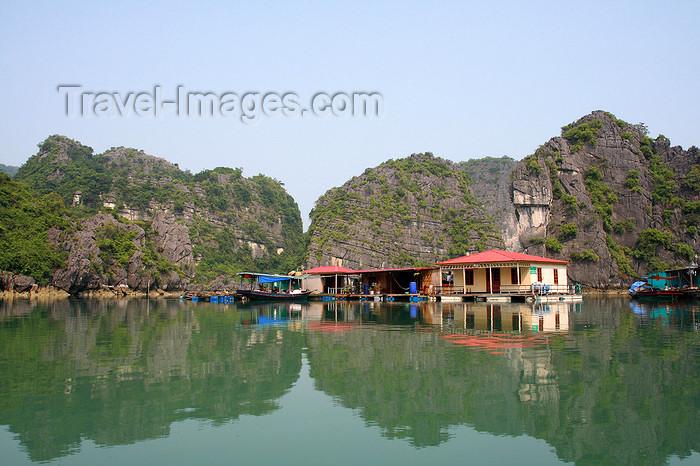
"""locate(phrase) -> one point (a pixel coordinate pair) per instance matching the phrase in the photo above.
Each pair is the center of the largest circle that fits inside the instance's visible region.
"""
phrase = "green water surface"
(606, 381)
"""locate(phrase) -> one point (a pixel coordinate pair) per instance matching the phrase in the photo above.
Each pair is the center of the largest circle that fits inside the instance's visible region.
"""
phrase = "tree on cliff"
(25, 219)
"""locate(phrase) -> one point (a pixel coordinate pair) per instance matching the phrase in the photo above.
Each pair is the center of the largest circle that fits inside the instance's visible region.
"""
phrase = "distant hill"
(213, 223)
(10, 170)
(603, 195)
(406, 212)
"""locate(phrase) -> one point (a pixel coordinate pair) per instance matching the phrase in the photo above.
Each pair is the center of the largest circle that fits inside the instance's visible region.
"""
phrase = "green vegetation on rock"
(632, 181)
(420, 210)
(620, 255)
(241, 214)
(568, 230)
(581, 134)
(26, 220)
(602, 196)
(648, 243)
(585, 255)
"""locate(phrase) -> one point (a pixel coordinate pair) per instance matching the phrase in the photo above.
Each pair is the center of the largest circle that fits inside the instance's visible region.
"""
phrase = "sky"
(459, 79)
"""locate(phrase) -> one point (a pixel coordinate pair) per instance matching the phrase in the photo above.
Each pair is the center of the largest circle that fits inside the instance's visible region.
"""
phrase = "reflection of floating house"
(503, 273)
(515, 317)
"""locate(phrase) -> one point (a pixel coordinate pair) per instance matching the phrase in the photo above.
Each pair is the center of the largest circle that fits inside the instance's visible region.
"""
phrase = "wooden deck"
(453, 297)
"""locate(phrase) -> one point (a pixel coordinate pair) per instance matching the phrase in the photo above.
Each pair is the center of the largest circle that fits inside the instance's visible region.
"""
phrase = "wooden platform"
(471, 297)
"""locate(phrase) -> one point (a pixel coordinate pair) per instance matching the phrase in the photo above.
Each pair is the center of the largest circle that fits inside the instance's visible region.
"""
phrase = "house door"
(496, 280)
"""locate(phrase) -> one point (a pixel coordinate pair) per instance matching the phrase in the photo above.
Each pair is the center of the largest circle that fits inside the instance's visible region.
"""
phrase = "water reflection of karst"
(507, 369)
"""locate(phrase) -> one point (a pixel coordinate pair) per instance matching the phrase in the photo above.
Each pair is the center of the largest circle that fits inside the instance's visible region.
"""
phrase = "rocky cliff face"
(166, 226)
(491, 184)
(405, 212)
(103, 251)
(604, 195)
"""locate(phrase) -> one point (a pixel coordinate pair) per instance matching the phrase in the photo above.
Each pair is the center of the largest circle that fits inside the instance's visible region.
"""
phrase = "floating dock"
(471, 297)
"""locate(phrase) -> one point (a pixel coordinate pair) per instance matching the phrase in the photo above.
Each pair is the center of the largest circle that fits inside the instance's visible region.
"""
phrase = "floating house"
(503, 272)
(410, 280)
(331, 279)
(490, 275)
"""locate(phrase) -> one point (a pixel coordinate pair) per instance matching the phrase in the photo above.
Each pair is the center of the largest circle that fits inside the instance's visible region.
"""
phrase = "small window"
(539, 274)
(556, 276)
(514, 276)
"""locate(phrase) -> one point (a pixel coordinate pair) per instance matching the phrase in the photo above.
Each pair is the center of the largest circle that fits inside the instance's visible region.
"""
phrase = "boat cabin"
(271, 282)
(686, 277)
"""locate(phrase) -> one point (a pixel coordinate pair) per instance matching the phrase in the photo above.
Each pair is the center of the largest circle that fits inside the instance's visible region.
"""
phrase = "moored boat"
(270, 287)
(261, 295)
(641, 289)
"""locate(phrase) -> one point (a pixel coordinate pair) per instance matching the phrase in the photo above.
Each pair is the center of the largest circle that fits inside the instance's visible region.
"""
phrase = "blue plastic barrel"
(367, 288)
(412, 288)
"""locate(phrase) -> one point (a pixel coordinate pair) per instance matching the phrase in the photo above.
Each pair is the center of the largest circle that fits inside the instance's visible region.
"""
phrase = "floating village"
(488, 276)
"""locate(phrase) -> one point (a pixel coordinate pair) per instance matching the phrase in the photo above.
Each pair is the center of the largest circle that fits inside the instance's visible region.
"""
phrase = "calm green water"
(169, 382)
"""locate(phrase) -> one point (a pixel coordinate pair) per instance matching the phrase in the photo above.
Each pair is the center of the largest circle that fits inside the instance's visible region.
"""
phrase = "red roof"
(495, 255)
(330, 269)
(403, 269)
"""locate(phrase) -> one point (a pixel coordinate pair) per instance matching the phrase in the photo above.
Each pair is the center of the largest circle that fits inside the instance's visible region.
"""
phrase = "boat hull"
(658, 294)
(255, 295)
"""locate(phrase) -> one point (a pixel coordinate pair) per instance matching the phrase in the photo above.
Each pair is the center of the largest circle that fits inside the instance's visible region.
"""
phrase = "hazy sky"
(462, 80)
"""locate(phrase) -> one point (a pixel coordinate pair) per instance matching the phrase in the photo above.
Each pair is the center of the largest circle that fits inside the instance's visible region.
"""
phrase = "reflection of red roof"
(495, 255)
(404, 269)
(331, 327)
(330, 269)
(498, 343)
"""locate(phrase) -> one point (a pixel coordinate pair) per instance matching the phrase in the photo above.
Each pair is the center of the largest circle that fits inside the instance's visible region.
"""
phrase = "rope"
(397, 283)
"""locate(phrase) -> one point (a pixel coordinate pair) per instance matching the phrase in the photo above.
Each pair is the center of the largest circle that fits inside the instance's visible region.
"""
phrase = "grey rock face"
(86, 269)
(416, 210)
(615, 152)
(491, 185)
(16, 283)
(173, 241)
(79, 274)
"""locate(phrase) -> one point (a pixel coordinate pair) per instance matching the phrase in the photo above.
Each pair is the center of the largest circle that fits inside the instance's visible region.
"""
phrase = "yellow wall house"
(498, 271)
